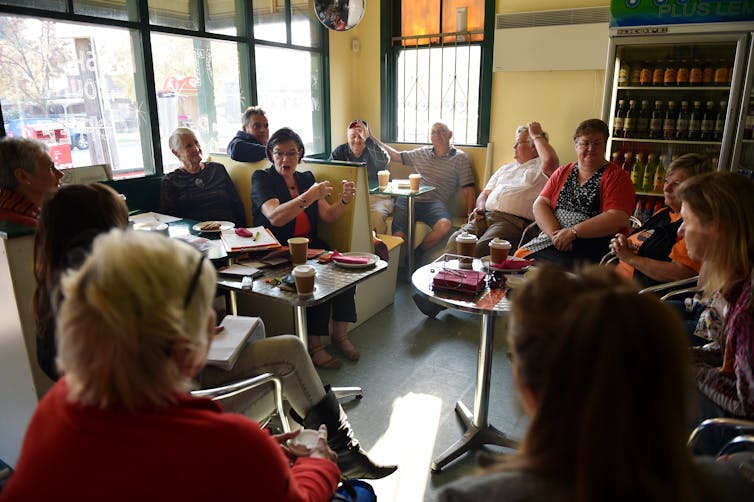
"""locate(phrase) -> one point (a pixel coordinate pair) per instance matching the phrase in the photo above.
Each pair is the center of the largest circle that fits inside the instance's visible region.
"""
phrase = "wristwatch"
(537, 136)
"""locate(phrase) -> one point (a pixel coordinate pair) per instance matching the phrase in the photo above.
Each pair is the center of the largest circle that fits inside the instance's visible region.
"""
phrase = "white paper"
(226, 346)
(240, 269)
(152, 217)
(234, 241)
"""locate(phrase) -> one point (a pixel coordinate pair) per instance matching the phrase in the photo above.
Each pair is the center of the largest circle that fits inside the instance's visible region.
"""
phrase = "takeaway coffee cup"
(499, 250)
(465, 246)
(414, 181)
(298, 247)
(384, 179)
(304, 277)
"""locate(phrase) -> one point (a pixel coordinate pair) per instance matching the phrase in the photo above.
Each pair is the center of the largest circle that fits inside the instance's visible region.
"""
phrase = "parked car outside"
(15, 128)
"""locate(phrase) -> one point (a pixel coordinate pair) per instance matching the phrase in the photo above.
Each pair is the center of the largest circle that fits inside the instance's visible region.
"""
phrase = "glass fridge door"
(743, 150)
(671, 95)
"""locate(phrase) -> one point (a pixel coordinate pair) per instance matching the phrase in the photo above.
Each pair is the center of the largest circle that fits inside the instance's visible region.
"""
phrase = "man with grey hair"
(504, 207)
(442, 166)
(249, 144)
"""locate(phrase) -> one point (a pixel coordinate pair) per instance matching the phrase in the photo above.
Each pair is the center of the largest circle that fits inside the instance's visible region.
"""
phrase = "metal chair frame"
(227, 391)
(743, 430)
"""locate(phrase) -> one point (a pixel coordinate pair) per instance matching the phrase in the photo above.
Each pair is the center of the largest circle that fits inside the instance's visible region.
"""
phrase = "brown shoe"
(328, 363)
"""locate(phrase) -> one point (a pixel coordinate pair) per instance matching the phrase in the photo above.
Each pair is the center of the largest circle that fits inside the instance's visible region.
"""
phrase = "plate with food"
(213, 226)
(513, 265)
(354, 259)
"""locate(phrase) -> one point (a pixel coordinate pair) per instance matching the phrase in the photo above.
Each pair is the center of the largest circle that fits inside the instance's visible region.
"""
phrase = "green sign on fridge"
(654, 12)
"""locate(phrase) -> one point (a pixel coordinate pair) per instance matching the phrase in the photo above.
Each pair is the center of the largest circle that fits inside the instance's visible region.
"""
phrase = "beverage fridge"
(675, 89)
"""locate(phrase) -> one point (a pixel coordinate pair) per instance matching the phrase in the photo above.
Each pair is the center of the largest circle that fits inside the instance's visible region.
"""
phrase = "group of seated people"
(149, 345)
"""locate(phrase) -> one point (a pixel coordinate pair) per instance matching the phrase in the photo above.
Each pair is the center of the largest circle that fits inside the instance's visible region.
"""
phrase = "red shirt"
(187, 451)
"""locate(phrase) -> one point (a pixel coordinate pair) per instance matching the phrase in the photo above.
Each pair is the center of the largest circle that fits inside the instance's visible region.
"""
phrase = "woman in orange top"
(655, 253)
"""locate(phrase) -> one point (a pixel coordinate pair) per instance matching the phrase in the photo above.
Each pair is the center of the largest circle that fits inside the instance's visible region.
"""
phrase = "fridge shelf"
(667, 141)
(673, 88)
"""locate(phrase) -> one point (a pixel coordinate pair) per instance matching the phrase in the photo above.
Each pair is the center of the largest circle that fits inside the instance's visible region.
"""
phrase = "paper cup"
(465, 246)
(414, 181)
(384, 179)
(304, 276)
(499, 250)
(298, 246)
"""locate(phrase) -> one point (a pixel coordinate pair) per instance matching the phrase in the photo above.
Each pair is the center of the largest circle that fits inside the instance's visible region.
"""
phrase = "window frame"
(144, 69)
(390, 15)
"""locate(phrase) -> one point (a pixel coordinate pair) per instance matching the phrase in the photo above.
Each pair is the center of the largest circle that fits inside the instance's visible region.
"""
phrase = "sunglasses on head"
(356, 123)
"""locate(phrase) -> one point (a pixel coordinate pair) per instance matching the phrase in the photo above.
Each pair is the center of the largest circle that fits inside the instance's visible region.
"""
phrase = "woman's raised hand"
(319, 191)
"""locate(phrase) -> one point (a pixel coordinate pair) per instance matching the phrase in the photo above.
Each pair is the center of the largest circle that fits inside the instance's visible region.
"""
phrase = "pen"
(256, 235)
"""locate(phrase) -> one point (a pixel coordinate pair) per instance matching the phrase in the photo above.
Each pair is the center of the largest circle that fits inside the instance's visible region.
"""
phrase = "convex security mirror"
(339, 15)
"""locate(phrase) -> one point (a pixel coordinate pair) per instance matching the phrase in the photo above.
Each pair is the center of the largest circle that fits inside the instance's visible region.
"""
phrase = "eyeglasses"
(194, 281)
(527, 142)
(587, 144)
(292, 154)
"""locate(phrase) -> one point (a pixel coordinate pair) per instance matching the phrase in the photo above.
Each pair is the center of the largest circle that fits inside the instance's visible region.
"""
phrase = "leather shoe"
(427, 308)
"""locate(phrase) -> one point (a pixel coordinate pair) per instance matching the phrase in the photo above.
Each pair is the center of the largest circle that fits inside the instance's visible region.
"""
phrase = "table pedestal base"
(474, 437)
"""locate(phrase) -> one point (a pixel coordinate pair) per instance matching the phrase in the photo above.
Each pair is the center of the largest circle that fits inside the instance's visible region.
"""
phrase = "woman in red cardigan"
(133, 330)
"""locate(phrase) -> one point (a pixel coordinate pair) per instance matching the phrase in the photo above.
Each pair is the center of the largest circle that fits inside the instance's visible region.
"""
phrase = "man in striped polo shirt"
(442, 166)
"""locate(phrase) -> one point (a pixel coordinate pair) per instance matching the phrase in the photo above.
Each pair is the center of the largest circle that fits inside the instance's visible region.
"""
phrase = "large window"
(435, 69)
(111, 91)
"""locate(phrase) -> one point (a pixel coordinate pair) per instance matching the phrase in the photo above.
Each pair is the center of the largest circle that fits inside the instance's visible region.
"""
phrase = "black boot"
(352, 460)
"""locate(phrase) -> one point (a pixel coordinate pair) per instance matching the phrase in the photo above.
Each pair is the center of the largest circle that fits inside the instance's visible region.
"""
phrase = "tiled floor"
(413, 369)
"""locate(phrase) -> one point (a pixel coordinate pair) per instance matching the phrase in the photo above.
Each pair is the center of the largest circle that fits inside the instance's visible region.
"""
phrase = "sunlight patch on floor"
(409, 442)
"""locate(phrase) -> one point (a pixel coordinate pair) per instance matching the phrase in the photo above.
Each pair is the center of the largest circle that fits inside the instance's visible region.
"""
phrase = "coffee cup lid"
(303, 270)
(466, 236)
(499, 242)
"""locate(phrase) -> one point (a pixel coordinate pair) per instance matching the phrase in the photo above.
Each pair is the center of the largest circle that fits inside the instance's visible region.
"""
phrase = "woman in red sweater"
(133, 330)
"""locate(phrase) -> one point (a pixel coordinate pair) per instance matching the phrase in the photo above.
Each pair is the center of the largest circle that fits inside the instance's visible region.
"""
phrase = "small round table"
(489, 304)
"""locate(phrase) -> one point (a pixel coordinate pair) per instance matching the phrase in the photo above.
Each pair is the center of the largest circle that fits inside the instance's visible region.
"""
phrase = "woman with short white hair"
(133, 330)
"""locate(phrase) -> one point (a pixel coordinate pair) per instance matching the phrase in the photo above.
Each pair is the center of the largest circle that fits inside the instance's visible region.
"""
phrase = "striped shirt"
(446, 173)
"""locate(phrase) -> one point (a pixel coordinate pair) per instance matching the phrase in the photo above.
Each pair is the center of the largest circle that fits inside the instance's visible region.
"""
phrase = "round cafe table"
(489, 304)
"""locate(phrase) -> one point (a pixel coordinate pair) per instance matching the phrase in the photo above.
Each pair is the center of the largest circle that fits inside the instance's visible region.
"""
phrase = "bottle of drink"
(631, 121)
(637, 173)
(647, 213)
(720, 121)
(695, 122)
(619, 119)
(668, 123)
(655, 121)
(659, 181)
(638, 213)
(671, 73)
(624, 73)
(658, 74)
(682, 124)
(629, 162)
(708, 73)
(645, 75)
(708, 122)
(647, 181)
(721, 73)
(642, 126)
(683, 74)
(634, 78)
(695, 74)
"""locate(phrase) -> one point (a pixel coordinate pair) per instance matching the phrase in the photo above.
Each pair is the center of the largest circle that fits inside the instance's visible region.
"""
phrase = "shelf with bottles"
(695, 122)
(663, 88)
(670, 141)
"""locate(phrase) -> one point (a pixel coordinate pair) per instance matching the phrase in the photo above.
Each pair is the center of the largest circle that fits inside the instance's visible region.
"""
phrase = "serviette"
(354, 260)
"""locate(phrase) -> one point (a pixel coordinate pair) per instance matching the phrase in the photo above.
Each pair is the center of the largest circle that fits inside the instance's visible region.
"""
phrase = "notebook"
(226, 346)
(261, 239)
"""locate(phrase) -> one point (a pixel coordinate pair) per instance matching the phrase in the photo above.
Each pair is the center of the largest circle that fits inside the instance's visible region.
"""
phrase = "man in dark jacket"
(249, 143)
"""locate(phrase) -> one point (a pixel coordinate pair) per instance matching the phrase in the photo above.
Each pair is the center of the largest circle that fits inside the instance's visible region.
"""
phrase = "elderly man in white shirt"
(504, 208)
